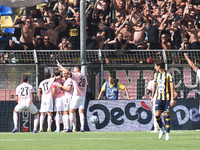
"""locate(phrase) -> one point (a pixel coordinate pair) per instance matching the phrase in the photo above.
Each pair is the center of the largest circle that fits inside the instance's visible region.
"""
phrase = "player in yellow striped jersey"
(164, 89)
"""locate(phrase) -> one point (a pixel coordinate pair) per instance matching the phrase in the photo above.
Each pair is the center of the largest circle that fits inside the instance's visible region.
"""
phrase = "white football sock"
(41, 121)
(15, 119)
(57, 122)
(49, 122)
(74, 123)
(82, 121)
(36, 121)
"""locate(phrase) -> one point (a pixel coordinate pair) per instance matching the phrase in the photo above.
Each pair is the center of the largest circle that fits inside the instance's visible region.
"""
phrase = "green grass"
(140, 140)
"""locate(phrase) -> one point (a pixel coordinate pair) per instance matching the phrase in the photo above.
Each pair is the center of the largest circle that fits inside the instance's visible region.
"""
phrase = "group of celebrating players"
(60, 95)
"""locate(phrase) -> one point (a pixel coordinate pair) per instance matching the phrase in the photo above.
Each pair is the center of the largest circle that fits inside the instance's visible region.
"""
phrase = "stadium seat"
(9, 30)
(6, 22)
(5, 11)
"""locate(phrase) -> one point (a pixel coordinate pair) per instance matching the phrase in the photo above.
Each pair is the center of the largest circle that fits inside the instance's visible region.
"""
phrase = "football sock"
(41, 121)
(15, 119)
(49, 122)
(71, 116)
(57, 122)
(158, 119)
(82, 120)
(74, 122)
(36, 121)
(66, 121)
(167, 123)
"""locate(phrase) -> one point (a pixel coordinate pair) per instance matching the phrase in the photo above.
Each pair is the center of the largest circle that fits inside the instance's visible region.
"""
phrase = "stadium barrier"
(130, 68)
(126, 115)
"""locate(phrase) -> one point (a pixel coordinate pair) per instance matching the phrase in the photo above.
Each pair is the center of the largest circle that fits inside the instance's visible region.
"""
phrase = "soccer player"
(112, 89)
(25, 98)
(58, 98)
(164, 89)
(68, 88)
(78, 98)
(194, 67)
(46, 100)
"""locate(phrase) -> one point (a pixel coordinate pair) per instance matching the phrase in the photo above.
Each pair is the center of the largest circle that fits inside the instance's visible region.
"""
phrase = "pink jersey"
(66, 84)
(46, 86)
(80, 84)
(24, 92)
(59, 91)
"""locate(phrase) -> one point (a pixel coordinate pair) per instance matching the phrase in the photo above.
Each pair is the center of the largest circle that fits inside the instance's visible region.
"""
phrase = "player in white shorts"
(78, 98)
(68, 88)
(46, 100)
(58, 98)
(25, 98)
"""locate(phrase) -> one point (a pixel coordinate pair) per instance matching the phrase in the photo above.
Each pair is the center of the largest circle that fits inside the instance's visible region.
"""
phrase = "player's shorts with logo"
(67, 103)
(162, 105)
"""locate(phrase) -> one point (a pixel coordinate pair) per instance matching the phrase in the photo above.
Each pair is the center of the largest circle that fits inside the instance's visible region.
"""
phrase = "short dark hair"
(78, 67)
(160, 63)
(47, 75)
(57, 72)
(25, 78)
(111, 75)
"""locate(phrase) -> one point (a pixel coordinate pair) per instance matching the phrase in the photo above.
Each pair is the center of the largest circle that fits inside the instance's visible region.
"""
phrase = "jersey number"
(82, 82)
(24, 91)
(45, 86)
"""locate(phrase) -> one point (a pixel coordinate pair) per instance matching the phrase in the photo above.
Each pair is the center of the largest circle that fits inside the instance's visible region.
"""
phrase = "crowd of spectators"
(116, 24)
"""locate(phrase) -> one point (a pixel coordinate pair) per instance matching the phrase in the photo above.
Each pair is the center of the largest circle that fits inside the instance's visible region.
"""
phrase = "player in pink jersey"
(46, 100)
(25, 98)
(194, 67)
(58, 98)
(68, 88)
(78, 98)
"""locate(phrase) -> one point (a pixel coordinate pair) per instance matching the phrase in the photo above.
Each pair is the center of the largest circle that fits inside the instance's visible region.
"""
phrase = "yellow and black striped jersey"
(162, 81)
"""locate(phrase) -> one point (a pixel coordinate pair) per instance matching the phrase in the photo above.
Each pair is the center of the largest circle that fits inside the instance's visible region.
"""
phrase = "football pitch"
(137, 140)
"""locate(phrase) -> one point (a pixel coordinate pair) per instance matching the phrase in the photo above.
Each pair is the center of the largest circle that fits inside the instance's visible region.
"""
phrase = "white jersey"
(46, 86)
(150, 85)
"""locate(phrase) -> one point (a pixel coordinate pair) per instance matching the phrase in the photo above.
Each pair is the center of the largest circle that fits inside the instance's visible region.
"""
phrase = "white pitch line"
(25, 139)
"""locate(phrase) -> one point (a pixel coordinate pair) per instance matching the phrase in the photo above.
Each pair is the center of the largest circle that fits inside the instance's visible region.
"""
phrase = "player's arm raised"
(63, 68)
(190, 62)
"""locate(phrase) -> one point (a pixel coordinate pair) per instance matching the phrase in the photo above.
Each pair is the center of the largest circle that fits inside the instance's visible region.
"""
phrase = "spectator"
(52, 32)
(65, 44)
(37, 42)
(164, 43)
(28, 31)
(74, 34)
(111, 89)
(193, 33)
(91, 42)
(135, 15)
(73, 7)
(107, 33)
(153, 35)
(61, 8)
(47, 45)
(92, 22)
